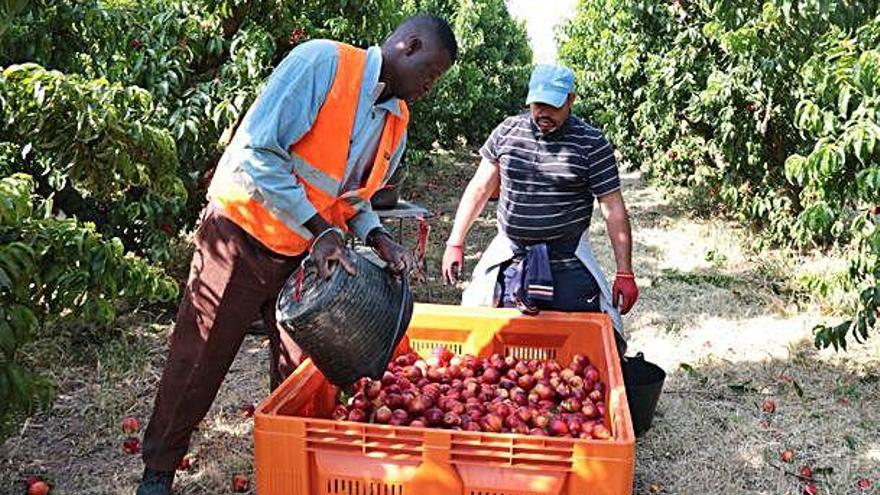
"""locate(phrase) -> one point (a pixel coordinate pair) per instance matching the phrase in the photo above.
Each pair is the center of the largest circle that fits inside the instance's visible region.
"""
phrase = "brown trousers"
(233, 280)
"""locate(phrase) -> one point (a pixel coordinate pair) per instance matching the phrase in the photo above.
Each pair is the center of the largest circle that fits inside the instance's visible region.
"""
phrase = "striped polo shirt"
(549, 182)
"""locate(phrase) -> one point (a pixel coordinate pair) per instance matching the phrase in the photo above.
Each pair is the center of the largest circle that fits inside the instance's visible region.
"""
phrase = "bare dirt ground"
(711, 314)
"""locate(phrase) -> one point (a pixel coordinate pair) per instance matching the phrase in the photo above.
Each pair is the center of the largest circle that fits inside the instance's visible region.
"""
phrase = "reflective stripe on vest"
(320, 160)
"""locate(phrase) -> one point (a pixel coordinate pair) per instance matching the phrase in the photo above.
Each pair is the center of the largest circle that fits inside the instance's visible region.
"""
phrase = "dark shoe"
(156, 482)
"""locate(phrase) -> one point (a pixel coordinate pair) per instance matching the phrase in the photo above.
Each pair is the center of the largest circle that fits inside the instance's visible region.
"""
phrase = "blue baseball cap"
(550, 84)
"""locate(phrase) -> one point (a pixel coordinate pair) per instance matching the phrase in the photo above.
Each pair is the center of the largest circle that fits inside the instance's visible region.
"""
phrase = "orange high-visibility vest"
(324, 153)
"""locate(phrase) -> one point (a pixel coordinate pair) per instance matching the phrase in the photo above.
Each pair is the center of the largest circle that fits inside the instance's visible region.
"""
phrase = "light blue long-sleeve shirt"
(285, 111)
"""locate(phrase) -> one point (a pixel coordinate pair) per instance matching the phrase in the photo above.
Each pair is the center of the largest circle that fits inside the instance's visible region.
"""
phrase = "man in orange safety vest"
(324, 135)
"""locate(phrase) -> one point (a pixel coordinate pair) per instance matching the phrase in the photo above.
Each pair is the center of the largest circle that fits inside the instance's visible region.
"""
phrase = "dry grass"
(706, 301)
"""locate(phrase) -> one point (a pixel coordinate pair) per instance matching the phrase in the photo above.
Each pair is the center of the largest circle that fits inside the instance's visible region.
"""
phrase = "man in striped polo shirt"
(549, 166)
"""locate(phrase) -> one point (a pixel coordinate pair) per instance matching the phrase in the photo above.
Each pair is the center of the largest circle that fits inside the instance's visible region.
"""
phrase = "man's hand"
(625, 292)
(453, 262)
(328, 248)
(399, 259)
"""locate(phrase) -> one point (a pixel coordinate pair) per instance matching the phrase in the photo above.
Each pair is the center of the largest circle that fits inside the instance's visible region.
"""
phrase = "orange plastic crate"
(298, 453)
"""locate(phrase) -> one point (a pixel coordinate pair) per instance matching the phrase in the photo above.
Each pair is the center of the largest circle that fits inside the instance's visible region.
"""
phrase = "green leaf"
(797, 388)
(823, 471)
(843, 101)
(794, 169)
(742, 387)
(8, 343)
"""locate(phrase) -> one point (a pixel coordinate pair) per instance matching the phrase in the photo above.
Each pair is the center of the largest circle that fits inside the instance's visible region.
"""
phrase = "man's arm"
(619, 232)
(367, 226)
(625, 292)
(282, 114)
(477, 193)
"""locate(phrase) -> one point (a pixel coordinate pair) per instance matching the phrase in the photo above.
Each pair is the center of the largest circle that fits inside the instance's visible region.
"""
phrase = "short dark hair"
(437, 26)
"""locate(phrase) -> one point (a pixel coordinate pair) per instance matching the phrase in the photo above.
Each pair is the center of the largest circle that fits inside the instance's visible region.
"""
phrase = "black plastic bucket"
(644, 383)
(348, 325)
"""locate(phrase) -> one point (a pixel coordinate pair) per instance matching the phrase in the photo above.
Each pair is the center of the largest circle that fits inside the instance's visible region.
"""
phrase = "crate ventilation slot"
(530, 353)
(424, 347)
(338, 486)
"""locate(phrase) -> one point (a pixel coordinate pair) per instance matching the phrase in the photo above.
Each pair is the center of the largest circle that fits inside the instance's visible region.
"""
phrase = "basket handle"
(300, 276)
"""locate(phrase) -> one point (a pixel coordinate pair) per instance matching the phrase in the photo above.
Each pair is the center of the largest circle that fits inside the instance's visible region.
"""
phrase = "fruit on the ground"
(131, 445)
(247, 409)
(130, 425)
(811, 489)
(240, 483)
(38, 487)
(806, 473)
(769, 406)
(863, 484)
(787, 455)
(492, 395)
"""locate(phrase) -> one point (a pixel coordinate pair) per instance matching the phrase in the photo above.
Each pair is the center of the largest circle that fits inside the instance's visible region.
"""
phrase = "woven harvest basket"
(348, 325)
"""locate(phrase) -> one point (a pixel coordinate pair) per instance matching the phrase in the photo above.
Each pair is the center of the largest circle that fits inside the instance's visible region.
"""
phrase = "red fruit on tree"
(769, 406)
(863, 484)
(130, 425)
(811, 489)
(240, 483)
(296, 35)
